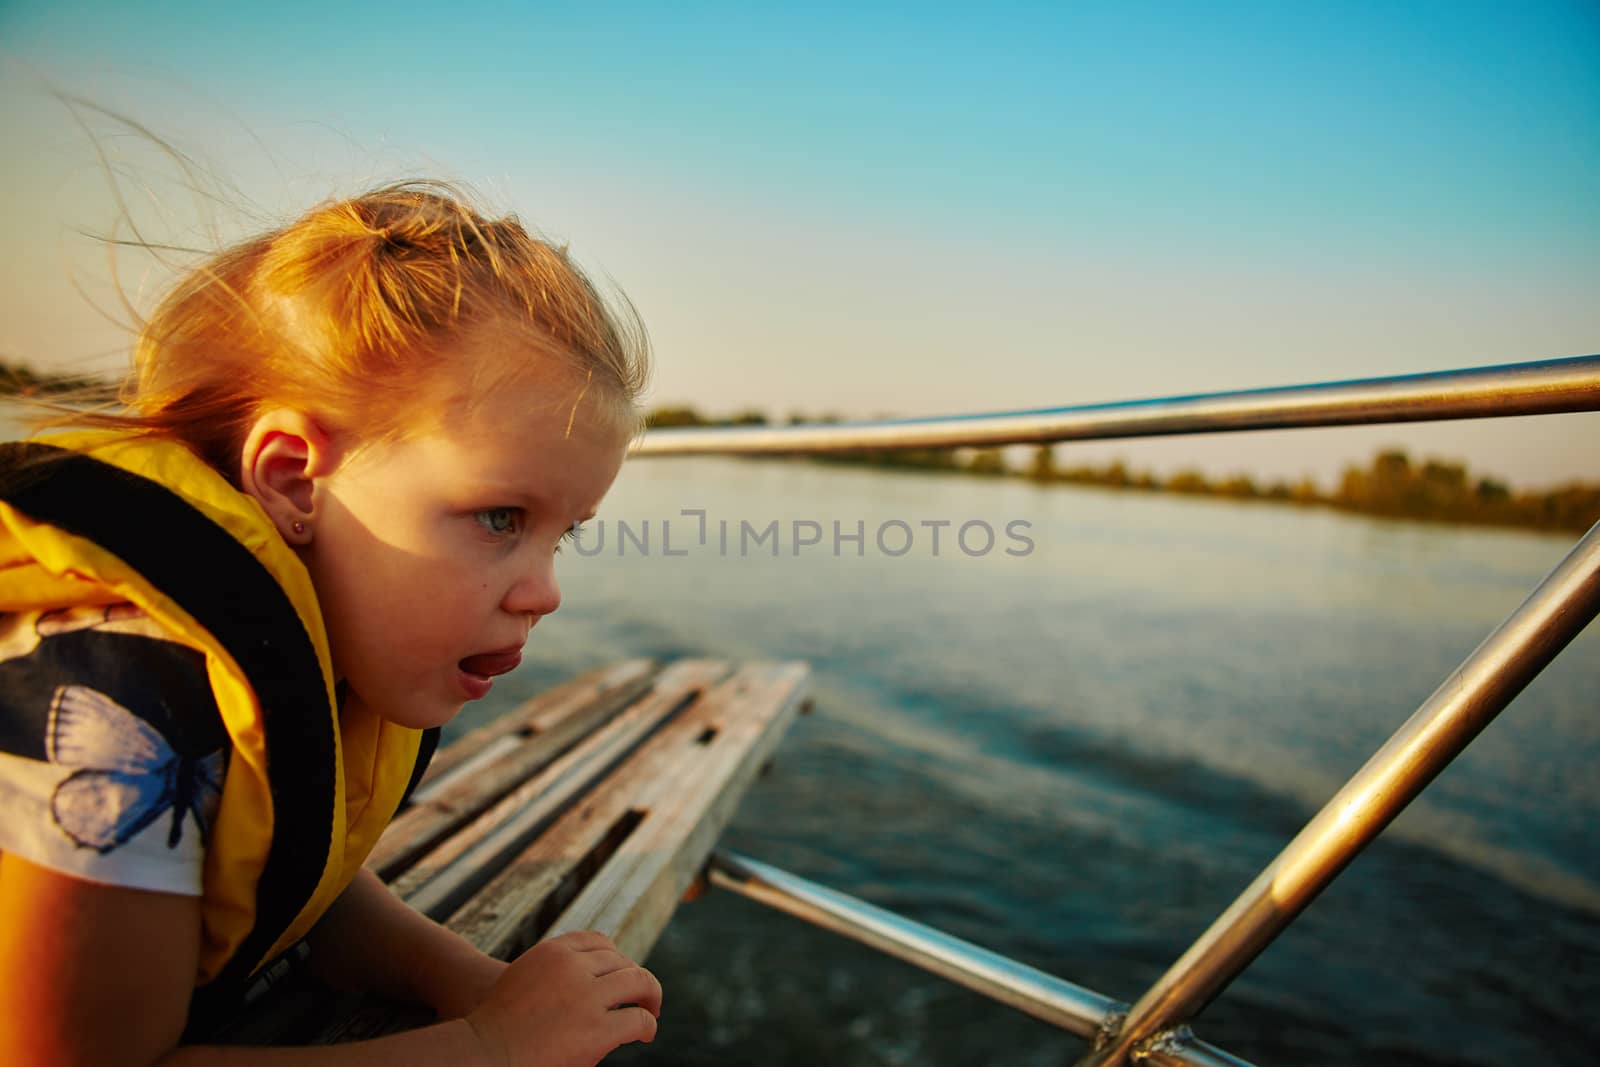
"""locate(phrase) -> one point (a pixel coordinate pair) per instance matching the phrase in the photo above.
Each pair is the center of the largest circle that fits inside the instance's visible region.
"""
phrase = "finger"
(586, 941)
(602, 963)
(632, 986)
(632, 1023)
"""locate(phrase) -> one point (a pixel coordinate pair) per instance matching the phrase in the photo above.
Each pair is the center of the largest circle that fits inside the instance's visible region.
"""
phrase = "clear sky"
(903, 209)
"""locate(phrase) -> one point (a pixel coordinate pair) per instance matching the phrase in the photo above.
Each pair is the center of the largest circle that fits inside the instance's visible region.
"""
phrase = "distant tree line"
(19, 379)
(943, 459)
(1392, 485)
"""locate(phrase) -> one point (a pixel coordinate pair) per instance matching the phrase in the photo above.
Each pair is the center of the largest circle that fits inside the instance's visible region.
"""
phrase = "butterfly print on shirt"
(126, 775)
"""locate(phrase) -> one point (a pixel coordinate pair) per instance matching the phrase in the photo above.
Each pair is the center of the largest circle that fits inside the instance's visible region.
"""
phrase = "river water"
(1078, 744)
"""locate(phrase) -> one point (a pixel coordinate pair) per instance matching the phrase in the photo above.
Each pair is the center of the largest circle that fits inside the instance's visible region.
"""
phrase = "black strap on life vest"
(428, 745)
(229, 592)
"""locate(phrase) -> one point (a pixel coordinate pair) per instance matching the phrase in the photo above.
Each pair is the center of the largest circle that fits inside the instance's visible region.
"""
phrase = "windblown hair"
(370, 312)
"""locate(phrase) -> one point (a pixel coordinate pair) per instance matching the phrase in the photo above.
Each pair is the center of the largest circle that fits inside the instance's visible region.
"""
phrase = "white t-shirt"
(112, 752)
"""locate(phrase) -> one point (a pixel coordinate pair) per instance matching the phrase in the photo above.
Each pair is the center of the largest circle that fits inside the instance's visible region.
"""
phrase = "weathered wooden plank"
(439, 880)
(635, 892)
(538, 715)
(536, 886)
(538, 735)
(605, 835)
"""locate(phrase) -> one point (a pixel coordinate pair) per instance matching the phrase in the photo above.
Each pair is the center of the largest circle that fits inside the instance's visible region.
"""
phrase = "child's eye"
(574, 532)
(502, 522)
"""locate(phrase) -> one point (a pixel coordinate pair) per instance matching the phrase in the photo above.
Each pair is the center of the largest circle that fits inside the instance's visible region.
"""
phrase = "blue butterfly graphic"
(127, 776)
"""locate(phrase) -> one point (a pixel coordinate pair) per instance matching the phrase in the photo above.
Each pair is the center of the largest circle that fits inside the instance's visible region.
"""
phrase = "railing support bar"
(1054, 1000)
(1025, 988)
(1556, 612)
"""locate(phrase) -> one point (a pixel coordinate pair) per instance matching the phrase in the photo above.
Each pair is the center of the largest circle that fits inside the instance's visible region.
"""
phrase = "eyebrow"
(513, 494)
(535, 500)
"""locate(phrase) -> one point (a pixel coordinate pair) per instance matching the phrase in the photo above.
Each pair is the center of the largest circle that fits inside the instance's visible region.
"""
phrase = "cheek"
(373, 590)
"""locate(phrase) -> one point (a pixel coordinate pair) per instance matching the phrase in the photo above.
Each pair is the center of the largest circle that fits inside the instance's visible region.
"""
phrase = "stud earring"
(298, 527)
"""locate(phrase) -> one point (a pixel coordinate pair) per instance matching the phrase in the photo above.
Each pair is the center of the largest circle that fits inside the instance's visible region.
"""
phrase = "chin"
(422, 716)
(406, 709)
(426, 718)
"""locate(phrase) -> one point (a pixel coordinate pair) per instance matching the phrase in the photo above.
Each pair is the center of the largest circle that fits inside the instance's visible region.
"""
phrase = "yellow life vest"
(97, 518)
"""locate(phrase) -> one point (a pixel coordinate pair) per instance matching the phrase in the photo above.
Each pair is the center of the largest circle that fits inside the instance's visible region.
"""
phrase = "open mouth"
(489, 664)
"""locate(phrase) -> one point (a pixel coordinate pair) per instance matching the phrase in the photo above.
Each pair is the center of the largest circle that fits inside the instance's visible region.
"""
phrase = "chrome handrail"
(1154, 1030)
(1054, 1000)
(1539, 388)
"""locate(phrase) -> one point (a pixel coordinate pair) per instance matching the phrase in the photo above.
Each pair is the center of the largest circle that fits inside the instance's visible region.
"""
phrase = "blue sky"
(910, 209)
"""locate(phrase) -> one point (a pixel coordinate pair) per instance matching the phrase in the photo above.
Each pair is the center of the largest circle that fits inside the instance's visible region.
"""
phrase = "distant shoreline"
(20, 381)
(1391, 486)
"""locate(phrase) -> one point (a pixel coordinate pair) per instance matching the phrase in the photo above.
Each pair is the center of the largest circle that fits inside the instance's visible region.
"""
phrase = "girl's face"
(434, 556)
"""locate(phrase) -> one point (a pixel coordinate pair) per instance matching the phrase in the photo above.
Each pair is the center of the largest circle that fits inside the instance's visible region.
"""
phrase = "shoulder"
(112, 750)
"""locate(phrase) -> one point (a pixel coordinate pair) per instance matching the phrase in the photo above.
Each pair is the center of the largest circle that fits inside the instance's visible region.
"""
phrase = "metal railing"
(1154, 1030)
(1543, 388)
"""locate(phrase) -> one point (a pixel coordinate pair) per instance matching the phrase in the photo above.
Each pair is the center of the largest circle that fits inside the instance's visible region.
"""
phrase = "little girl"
(232, 620)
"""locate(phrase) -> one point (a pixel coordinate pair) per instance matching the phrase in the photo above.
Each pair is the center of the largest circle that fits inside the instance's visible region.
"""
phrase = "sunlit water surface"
(1078, 755)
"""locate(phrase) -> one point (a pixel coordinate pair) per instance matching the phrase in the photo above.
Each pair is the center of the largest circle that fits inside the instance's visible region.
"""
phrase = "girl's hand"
(567, 1002)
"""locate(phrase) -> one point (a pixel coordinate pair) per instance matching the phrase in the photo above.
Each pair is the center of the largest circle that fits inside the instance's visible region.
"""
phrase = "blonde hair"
(360, 311)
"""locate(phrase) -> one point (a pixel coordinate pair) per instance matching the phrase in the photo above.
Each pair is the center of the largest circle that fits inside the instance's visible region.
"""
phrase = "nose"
(534, 591)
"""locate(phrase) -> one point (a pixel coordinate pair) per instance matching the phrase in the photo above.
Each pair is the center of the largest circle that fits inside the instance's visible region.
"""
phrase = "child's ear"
(284, 455)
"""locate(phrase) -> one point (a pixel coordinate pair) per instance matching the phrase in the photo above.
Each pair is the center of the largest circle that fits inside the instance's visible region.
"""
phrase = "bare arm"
(95, 974)
(372, 941)
(91, 974)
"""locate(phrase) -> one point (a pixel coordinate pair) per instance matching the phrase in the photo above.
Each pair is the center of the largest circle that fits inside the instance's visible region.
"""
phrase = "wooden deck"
(593, 806)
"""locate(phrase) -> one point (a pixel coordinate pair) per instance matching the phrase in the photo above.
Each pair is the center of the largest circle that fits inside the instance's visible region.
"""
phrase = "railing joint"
(1109, 1028)
(1173, 1041)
